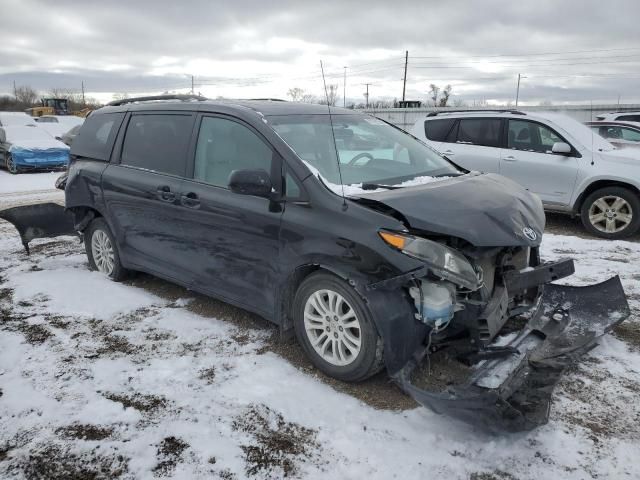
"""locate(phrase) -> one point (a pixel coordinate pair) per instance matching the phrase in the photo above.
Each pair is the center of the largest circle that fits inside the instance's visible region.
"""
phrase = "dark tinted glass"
(629, 118)
(224, 146)
(480, 131)
(96, 136)
(437, 130)
(157, 142)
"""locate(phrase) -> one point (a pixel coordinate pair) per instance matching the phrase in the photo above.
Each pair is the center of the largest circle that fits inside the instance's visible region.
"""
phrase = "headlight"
(443, 261)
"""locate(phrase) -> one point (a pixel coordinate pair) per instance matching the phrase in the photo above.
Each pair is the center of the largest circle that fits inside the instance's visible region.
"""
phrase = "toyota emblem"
(530, 233)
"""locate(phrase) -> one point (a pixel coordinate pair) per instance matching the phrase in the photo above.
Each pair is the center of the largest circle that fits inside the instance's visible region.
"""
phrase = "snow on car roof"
(16, 118)
(33, 137)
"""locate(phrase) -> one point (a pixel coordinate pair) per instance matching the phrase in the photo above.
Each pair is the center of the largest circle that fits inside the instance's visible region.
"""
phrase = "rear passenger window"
(96, 136)
(628, 118)
(480, 131)
(437, 130)
(224, 146)
(157, 142)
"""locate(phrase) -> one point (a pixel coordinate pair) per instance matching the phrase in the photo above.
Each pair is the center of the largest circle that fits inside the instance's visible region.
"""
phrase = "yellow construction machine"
(55, 106)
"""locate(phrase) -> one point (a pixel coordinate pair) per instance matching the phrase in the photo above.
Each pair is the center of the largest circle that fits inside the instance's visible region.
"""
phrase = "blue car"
(28, 147)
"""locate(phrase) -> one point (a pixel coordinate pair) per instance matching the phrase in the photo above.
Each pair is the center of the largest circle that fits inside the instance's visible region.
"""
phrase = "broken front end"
(499, 334)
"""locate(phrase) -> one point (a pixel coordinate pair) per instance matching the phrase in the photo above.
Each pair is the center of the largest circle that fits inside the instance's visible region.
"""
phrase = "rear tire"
(611, 212)
(102, 250)
(335, 328)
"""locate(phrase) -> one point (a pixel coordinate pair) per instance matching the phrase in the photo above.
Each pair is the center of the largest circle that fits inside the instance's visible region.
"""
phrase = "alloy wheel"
(610, 214)
(11, 166)
(102, 251)
(332, 327)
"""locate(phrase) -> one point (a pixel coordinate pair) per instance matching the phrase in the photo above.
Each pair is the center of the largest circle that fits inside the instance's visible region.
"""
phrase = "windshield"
(370, 151)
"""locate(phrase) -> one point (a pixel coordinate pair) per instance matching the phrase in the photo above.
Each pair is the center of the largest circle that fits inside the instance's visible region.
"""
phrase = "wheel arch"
(83, 215)
(288, 291)
(391, 311)
(598, 184)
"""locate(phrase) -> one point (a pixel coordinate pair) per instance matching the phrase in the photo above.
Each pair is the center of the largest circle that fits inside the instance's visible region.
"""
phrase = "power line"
(436, 66)
(533, 54)
(519, 61)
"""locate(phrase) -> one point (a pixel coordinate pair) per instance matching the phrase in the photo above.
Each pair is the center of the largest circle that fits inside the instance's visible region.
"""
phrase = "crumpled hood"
(487, 210)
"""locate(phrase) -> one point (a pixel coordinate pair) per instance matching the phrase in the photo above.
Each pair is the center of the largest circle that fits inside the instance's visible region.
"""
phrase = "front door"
(529, 161)
(233, 239)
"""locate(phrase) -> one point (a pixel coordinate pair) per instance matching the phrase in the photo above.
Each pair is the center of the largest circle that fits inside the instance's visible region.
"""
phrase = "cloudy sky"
(569, 51)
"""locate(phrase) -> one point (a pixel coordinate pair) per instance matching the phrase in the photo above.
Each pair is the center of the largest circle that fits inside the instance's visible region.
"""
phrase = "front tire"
(10, 164)
(102, 250)
(335, 329)
(611, 212)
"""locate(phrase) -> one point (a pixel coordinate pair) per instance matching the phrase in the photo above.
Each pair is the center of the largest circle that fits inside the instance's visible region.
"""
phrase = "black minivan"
(368, 244)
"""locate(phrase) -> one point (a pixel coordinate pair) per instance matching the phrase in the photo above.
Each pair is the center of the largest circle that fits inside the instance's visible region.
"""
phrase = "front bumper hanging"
(513, 393)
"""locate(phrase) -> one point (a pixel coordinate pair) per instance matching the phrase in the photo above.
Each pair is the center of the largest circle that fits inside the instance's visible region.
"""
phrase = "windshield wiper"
(373, 186)
(456, 174)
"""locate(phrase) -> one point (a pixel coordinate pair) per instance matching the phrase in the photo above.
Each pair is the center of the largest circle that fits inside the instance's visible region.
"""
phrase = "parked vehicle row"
(373, 248)
(571, 168)
(28, 143)
(619, 134)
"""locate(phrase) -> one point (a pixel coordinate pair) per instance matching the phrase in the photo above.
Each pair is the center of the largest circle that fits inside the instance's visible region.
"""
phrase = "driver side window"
(224, 146)
(531, 137)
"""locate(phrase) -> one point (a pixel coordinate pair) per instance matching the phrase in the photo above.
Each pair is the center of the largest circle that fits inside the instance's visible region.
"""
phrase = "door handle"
(164, 193)
(190, 200)
(510, 158)
(449, 152)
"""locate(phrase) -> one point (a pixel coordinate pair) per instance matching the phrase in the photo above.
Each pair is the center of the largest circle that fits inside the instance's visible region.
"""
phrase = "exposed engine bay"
(512, 334)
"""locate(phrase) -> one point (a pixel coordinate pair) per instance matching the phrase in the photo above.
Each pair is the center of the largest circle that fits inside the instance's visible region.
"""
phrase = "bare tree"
(446, 93)
(331, 96)
(26, 96)
(458, 102)
(309, 98)
(295, 94)
(434, 91)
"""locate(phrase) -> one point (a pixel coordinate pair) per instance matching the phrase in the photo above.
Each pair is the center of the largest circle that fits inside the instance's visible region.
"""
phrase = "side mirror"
(250, 182)
(561, 148)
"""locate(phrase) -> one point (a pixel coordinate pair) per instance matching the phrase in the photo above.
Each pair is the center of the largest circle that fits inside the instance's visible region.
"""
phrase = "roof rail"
(151, 98)
(266, 100)
(515, 112)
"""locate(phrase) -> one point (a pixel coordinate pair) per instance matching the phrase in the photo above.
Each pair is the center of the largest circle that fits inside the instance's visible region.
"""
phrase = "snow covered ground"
(144, 380)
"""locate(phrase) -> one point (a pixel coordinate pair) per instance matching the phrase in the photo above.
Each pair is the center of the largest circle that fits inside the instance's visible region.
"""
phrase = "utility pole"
(192, 89)
(344, 89)
(83, 102)
(404, 81)
(366, 96)
(518, 88)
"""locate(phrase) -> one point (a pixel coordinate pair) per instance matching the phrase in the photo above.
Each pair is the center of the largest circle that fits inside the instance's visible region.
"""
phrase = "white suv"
(620, 116)
(572, 169)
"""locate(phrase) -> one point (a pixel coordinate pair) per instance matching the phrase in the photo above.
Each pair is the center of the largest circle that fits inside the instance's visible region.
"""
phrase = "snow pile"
(27, 183)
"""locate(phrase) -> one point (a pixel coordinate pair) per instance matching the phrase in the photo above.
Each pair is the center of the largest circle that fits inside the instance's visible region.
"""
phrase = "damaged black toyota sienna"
(370, 246)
